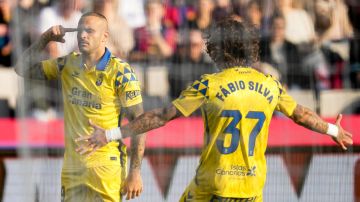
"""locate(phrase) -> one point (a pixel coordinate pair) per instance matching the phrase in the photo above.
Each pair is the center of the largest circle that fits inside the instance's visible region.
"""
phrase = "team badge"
(100, 79)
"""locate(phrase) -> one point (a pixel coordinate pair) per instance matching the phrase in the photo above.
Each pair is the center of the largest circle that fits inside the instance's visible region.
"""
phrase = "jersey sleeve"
(53, 67)
(193, 97)
(128, 87)
(286, 103)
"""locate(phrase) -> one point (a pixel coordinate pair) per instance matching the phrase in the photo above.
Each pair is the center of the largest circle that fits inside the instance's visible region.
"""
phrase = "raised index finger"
(70, 29)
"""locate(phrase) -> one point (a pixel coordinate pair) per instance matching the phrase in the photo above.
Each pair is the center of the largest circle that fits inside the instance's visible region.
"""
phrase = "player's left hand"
(90, 143)
(133, 185)
(343, 138)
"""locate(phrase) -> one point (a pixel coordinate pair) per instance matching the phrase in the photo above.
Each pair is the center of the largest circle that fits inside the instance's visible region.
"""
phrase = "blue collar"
(101, 65)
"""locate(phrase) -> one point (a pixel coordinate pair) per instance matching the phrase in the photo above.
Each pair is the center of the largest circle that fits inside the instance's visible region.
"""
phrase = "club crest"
(100, 79)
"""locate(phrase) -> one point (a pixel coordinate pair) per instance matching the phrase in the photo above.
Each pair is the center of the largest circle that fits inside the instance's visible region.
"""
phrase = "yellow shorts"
(193, 194)
(102, 183)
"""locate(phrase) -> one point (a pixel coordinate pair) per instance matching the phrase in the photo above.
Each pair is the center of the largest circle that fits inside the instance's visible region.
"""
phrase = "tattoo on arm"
(143, 123)
(309, 119)
(137, 151)
(150, 120)
(137, 142)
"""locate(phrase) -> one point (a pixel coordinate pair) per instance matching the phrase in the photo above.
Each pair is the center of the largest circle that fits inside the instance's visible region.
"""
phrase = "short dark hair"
(96, 14)
(232, 43)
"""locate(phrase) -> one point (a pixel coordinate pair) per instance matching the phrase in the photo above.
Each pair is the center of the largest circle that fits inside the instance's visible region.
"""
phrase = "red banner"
(179, 133)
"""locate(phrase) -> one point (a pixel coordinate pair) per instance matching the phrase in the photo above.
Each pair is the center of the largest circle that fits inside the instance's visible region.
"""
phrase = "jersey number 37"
(235, 132)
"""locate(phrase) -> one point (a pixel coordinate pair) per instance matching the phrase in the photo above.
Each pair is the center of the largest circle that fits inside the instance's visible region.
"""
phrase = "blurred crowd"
(306, 44)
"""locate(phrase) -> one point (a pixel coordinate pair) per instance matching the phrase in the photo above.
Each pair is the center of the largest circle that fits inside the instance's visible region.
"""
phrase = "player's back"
(237, 109)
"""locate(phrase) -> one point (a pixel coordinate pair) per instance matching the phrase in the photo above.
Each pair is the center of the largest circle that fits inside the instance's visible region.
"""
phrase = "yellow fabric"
(102, 183)
(237, 106)
(98, 94)
(194, 193)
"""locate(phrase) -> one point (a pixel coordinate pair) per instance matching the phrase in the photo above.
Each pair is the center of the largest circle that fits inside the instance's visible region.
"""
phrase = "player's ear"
(105, 36)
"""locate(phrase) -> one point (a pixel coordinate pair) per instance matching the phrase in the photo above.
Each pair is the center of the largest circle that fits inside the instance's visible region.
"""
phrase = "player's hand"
(133, 185)
(56, 33)
(343, 138)
(90, 143)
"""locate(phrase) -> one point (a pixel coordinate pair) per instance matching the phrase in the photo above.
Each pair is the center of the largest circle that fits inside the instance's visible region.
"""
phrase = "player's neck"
(91, 59)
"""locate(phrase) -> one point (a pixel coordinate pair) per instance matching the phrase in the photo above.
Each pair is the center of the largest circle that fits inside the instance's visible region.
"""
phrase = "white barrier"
(330, 177)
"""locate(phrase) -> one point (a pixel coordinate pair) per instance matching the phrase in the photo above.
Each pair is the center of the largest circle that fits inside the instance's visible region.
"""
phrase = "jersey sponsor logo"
(83, 98)
(85, 103)
(251, 171)
(235, 86)
(132, 94)
(236, 170)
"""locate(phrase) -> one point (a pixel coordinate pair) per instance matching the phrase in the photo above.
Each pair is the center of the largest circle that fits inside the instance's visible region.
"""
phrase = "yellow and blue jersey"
(98, 93)
(237, 105)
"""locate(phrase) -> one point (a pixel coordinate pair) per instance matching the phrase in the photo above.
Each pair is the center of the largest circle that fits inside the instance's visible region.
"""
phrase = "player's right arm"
(190, 99)
(150, 120)
(29, 64)
(147, 121)
(309, 119)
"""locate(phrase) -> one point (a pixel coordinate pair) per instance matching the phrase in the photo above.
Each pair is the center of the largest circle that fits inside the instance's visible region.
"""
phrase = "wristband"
(113, 134)
(332, 130)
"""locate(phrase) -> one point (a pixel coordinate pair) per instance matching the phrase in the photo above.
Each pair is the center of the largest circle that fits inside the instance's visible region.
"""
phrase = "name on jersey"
(235, 86)
(83, 98)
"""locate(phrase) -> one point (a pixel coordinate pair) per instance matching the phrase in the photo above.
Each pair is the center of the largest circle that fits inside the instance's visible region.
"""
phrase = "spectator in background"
(354, 60)
(189, 63)
(24, 23)
(172, 15)
(223, 9)
(66, 13)
(335, 12)
(121, 40)
(334, 30)
(201, 16)
(5, 45)
(301, 32)
(154, 42)
(283, 55)
(240, 7)
(299, 25)
(254, 14)
(132, 12)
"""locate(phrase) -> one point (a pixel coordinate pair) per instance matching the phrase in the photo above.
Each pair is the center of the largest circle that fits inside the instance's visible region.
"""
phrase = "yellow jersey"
(98, 93)
(237, 105)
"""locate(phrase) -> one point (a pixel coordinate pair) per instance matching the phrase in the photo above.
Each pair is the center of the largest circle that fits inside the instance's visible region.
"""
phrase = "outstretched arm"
(150, 120)
(145, 122)
(309, 119)
(29, 64)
